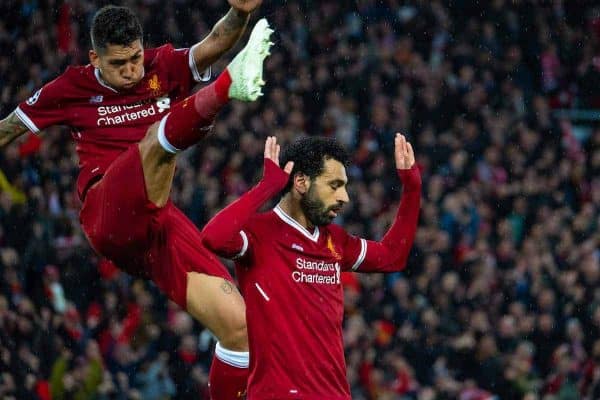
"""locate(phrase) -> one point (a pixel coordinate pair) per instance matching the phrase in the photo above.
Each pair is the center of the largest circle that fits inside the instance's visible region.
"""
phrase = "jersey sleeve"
(354, 249)
(376, 257)
(238, 247)
(46, 107)
(235, 247)
(181, 66)
(227, 234)
(199, 76)
(244, 246)
(391, 253)
(362, 255)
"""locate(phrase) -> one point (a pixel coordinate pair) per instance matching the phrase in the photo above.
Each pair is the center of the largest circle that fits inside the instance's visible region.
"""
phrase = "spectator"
(506, 265)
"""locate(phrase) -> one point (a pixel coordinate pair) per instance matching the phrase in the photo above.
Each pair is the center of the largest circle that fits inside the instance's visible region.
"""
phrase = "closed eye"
(335, 185)
(135, 58)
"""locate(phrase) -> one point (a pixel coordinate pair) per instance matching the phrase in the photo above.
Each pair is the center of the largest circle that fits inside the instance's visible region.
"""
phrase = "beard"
(315, 210)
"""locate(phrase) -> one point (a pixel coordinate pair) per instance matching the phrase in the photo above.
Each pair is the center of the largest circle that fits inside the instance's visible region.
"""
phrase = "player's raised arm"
(224, 34)
(222, 235)
(391, 253)
(11, 128)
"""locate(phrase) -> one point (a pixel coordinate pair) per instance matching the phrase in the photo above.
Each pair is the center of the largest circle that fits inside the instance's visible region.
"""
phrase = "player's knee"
(150, 142)
(152, 151)
(235, 336)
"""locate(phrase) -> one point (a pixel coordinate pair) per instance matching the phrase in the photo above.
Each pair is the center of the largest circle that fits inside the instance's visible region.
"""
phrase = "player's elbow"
(396, 261)
(396, 266)
(209, 242)
(216, 245)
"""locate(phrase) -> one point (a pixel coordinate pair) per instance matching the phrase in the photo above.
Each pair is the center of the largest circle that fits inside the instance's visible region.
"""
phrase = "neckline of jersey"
(296, 225)
(101, 81)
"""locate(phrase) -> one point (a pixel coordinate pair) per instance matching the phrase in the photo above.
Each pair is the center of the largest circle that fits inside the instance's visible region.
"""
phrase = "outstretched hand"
(272, 150)
(246, 6)
(403, 152)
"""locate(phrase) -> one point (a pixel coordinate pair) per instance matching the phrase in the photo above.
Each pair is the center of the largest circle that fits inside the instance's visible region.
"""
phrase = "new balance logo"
(297, 247)
(33, 99)
(96, 99)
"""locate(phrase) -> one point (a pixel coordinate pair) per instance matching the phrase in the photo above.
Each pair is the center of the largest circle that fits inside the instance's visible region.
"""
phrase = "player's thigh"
(116, 215)
(218, 305)
(194, 277)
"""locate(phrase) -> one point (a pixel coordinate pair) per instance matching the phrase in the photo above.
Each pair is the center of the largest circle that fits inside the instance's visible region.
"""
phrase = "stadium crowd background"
(502, 294)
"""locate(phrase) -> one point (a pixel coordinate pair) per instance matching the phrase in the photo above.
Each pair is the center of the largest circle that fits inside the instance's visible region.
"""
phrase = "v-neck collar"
(102, 82)
(296, 225)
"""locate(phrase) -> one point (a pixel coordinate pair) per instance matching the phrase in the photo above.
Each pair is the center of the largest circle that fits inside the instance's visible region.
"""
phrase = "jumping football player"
(129, 115)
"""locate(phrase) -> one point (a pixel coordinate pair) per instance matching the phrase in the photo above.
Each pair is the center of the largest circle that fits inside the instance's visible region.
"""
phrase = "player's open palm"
(272, 150)
(403, 152)
(245, 5)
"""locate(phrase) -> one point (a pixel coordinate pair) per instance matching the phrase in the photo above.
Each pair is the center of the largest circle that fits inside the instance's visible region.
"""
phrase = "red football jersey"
(290, 280)
(105, 122)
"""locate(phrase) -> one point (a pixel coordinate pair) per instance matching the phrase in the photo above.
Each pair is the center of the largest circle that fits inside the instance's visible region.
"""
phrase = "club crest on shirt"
(154, 85)
(331, 248)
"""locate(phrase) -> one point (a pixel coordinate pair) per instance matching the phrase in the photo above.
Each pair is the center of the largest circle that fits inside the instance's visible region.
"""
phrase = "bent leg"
(188, 122)
(218, 305)
(116, 215)
(195, 279)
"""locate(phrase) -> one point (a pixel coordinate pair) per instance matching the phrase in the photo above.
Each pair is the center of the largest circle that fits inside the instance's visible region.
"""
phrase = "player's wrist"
(411, 178)
(273, 175)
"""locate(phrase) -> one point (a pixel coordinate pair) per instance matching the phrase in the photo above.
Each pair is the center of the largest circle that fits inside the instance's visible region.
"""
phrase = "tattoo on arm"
(230, 27)
(227, 287)
(11, 127)
(223, 37)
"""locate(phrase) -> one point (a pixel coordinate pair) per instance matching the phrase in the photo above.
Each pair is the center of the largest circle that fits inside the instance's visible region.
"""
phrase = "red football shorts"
(160, 244)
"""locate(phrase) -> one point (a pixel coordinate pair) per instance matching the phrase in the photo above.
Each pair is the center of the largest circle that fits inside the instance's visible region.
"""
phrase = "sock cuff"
(162, 137)
(238, 359)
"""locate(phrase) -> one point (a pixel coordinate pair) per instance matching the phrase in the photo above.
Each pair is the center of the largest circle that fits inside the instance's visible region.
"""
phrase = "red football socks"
(227, 381)
(190, 120)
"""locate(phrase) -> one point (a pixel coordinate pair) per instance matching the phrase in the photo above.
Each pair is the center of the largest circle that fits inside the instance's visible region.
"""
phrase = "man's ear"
(301, 182)
(94, 58)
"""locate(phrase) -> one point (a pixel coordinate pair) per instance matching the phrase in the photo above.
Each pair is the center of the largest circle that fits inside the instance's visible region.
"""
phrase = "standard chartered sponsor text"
(316, 277)
(115, 115)
(127, 117)
(301, 263)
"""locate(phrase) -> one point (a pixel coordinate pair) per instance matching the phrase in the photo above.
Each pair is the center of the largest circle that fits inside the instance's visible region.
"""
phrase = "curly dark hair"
(114, 25)
(309, 154)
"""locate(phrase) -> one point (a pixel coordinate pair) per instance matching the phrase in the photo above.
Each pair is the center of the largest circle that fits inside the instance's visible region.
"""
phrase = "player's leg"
(116, 215)
(190, 120)
(163, 245)
(218, 305)
(195, 279)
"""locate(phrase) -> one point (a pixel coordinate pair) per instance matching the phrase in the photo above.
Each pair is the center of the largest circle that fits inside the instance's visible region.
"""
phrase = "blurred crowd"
(501, 297)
